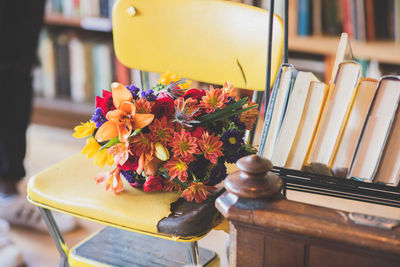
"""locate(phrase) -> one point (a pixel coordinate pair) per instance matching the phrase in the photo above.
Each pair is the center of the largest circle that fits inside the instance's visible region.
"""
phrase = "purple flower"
(149, 95)
(218, 173)
(134, 90)
(232, 139)
(235, 156)
(98, 117)
(238, 123)
(199, 166)
(133, 179)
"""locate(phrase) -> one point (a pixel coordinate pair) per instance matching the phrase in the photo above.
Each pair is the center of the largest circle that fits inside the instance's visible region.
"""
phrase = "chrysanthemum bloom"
(143, 148)
(111, 180)
(184, 146)
(249, 117)
(211, 146)
(197, 191)
(177, 168)
(213, 100)
(185, 111)
(171, 186)
(120, 152)
(232, 139)
(84, 130)
(143, 106)
(92, 149)
(161, 131)
(124, 119)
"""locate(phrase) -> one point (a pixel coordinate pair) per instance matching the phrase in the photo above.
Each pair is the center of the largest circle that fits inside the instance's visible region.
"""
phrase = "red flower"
(130, 165)
(153, 183)
(198, 132)
(195, 94)
(106, 102)
(163, 107)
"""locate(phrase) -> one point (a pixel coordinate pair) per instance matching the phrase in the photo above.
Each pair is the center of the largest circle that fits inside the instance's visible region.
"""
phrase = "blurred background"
(76, 62)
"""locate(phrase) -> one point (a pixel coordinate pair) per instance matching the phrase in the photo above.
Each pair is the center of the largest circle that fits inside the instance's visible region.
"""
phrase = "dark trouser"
(20, 23)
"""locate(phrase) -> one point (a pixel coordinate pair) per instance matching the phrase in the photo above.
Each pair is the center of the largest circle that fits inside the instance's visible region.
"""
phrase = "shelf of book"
(60, 112)
(97, 24)
(59, 20)
(382, 51)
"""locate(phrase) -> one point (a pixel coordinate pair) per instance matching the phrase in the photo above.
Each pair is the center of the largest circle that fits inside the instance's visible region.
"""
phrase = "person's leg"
(20, 23)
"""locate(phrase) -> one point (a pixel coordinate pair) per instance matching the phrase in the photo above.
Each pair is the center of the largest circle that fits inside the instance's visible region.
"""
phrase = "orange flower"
(120, 152)
(161, 131)
(111, 180)
(249, 117)
(214, 98)
(197, 191)
(230, 90)
(211, 146)
(184, 145)
(171, 186)
(177, 168)
(124, 118)
(143, 106)
(143, 147)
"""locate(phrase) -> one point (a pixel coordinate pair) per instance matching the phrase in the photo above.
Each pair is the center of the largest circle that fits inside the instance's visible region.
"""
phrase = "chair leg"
(194, 257)
(56, 235)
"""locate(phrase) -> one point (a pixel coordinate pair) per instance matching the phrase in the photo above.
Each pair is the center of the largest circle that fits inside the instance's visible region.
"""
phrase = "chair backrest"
(205, 40)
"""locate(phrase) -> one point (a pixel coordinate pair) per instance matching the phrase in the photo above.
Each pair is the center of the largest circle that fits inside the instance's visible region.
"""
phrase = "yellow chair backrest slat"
(204, 40)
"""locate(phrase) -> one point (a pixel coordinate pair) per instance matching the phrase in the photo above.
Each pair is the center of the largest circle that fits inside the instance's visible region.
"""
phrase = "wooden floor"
(46, 146)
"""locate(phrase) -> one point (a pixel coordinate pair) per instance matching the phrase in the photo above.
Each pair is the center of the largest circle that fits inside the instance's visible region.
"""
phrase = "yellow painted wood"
(205, 40)
(69, 187)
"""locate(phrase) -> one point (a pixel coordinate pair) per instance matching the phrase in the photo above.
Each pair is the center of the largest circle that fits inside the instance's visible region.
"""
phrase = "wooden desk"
(269, 230)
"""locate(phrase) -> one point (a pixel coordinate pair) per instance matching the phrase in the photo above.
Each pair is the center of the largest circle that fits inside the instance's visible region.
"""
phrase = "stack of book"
(348, 127)
(78, 68)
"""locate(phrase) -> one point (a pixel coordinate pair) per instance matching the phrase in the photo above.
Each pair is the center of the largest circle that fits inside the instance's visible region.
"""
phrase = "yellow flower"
(103, 157)
(91, 149)
(169, 77)
(84, 130)
(161, 152)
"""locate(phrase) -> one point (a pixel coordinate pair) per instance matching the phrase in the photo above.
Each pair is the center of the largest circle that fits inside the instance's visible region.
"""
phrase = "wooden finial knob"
(253, 180)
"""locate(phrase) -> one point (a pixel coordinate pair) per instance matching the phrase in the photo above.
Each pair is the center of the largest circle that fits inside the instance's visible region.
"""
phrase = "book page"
(292, 118)
(278, 111)
(338, 108)
(389, 169)
(354, 127)
(307, 127)
(376, 131)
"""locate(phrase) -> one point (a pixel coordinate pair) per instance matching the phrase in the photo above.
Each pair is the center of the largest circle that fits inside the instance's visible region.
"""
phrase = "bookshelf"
(382, 51)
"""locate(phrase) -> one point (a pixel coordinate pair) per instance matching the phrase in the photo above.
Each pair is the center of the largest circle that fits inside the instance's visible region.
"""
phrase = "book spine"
(304, 17)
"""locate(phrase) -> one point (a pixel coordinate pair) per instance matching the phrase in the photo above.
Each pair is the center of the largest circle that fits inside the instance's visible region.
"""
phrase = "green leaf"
(110, 143)
(223, 112)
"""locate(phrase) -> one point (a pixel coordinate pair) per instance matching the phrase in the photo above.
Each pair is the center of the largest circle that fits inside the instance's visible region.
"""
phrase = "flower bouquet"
(168, 138)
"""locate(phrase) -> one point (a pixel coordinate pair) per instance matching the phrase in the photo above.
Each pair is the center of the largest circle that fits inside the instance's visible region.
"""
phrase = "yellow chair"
(204, 40)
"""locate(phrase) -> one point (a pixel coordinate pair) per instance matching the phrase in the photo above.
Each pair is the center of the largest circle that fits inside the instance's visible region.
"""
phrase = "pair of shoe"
(10, 254)
(18, 211)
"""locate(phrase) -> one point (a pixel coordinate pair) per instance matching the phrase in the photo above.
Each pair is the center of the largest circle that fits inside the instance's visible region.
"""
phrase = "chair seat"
(115, 247)
(69, 187)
